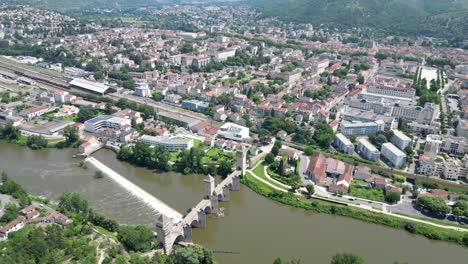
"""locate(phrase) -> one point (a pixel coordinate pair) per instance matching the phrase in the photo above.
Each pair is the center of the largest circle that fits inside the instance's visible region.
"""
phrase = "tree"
(71, 134)
(103, 221)
(72, 202)
(392, 197)
(158, 96)
(310, 189)
(137, 238)
(294, 186)
(9, 132)
(225, 168)
(433, 205)
(269, 158)
(346, 258)
(37, 142)
(192, 254)
(309, 150)
(465, 239)
(86, 113)
(324, 135)
(275, 150)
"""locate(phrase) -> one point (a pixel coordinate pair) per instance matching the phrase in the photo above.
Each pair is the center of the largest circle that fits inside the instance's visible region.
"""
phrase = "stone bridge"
(170, 231)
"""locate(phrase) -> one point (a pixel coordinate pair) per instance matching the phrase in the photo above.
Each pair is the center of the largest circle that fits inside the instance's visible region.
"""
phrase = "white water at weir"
(147, 198)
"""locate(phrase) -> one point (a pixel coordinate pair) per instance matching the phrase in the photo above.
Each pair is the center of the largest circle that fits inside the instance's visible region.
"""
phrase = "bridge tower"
(164, 231)
(241, 161)
(210, 194)
(209, 183)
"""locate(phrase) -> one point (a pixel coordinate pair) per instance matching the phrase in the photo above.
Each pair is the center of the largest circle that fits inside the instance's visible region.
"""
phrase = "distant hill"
(431, 17)
(64, 5)
(439, 18)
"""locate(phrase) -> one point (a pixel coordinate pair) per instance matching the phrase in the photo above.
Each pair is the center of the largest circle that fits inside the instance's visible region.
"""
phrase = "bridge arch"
(195, 223)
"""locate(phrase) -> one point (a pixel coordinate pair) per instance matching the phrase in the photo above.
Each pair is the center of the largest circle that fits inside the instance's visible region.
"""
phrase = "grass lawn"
(282, 179)
(106, 232)
(367, 193)
(22, 140)
(53, 142)
(260, 172)
(215, 155)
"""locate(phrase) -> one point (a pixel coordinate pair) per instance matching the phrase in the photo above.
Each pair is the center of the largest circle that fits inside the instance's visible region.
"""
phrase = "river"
(254, 229)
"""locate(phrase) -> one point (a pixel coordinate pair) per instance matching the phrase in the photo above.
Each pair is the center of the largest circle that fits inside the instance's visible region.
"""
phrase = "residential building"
(422, 115)
(400, 140)
(357, 115)
(395, 156)
(195, 105)
(334, 167)
(290, 152)
(317, 169)
(343, 144)
(361, 173)
(377, 90)
(432, 146)
(34, 111)
(453, 169)
(143, 90)
(429, 166)
(105, 121)
(367, 150)
(346, 177)
(361, 128)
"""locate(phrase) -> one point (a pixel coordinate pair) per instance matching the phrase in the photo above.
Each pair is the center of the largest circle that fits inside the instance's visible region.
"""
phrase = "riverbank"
(50, 172)
(320, 206)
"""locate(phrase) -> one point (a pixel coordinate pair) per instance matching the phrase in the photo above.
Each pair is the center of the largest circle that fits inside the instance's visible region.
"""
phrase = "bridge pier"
(200, 221)
(236, 183)
(171, 230)
(188, 233)
(225, 194)
(214, 204)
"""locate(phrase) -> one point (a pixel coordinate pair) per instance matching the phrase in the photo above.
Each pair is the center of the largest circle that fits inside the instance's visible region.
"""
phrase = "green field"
(366, 193)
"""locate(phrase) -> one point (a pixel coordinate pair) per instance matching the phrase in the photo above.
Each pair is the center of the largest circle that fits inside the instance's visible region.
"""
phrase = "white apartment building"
(225, 54)
(112, 122)
(393, 154)
(424, 115)
(361, 128)
(400, 140)
(234, 132)
(392, 91)
(343, 144)
(367, 150)
(429, 166)
(432, 146)
(448, 144)
(143, 90)
(171, 144)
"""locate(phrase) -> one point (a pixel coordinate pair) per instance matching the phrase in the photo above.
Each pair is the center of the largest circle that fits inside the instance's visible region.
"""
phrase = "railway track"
(40, 77)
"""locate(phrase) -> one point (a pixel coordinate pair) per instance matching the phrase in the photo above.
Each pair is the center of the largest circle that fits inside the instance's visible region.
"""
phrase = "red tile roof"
(317, 169)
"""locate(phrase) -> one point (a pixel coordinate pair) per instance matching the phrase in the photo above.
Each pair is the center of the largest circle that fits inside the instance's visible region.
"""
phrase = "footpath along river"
(254, 229)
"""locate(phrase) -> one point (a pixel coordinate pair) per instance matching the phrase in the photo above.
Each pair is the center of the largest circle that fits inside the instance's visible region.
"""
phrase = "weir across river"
(158, 206)
(172, 227)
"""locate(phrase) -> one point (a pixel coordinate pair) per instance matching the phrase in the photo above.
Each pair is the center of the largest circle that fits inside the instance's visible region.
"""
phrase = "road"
(319, 191)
